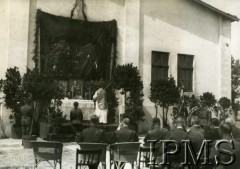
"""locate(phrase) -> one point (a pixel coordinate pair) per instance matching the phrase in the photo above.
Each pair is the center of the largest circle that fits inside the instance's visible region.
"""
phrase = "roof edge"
(227, 15)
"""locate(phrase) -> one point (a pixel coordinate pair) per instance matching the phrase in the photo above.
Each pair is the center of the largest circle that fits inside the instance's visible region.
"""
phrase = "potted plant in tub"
(14, 96)
(43, 88)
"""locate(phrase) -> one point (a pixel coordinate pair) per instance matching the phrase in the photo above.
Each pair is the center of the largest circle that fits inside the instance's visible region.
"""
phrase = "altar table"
(87, 107)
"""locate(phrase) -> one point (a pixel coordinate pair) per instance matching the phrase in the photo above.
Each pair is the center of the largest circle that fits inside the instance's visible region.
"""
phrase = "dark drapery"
(95, 43)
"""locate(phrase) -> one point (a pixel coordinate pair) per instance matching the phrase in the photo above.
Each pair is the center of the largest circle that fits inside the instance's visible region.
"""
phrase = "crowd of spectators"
(195, 132)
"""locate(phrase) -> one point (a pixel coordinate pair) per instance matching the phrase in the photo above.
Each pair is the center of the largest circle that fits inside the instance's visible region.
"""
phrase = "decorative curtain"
(94, 42)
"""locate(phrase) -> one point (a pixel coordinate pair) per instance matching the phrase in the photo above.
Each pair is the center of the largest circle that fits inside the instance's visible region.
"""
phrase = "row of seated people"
(95, 135)
(197, 134)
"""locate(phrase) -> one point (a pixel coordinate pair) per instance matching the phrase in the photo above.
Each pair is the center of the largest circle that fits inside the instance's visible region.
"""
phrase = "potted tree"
(43, 88)
(207, 101)
(164, 93)
(14, 97)
(127, 78)
(225, 103)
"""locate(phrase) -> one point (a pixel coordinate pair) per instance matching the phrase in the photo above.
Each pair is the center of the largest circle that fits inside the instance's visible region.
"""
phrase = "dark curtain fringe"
(83, 11)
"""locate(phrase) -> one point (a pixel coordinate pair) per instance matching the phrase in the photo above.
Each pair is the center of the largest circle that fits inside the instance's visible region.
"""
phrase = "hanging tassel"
(72, 11)
(83, 10)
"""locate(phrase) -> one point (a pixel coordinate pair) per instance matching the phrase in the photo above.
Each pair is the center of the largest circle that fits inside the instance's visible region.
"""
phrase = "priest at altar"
(101, 108)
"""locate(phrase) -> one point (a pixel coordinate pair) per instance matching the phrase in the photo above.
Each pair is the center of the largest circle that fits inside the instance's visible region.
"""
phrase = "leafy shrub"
(164, 93)
(207, 99)
(127, 77)
(224, 102)
(14, 94)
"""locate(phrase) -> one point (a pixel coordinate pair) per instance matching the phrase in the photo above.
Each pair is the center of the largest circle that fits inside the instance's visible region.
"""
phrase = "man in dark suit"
(156, 133)
(92, 134)
(124, 134)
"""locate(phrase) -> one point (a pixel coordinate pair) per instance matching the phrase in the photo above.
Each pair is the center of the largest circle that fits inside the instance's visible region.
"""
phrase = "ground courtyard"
(14, 156)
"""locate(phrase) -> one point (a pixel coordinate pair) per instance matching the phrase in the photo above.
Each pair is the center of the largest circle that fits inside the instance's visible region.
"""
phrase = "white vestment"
(101, 109)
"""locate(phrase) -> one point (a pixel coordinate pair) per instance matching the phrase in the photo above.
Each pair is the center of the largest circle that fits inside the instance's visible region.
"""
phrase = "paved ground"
(14, 156)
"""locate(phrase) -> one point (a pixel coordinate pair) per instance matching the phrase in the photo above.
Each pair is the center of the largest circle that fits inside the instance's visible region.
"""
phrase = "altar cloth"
(87, 107)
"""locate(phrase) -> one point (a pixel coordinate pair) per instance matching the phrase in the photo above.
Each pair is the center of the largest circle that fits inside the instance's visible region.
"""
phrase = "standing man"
(76, 118)
(27, 112)
(101, 110)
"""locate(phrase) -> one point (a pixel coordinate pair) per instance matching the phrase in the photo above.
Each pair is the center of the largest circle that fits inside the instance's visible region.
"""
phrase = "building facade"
(187, 39)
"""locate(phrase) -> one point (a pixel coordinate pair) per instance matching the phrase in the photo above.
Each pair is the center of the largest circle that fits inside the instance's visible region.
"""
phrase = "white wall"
(175, 26)
(18, 34)
(181, 27)
(4, 32)
(14, 17)
(184, 27)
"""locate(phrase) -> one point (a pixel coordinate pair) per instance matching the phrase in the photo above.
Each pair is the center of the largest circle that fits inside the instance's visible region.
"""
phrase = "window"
(159, 65)
(185, 72)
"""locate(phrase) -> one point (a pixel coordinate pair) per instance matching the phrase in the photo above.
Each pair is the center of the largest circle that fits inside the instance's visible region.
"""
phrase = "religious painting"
(76, 89)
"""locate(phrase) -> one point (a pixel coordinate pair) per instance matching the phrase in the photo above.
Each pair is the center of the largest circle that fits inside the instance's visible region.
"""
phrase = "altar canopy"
(93, 42)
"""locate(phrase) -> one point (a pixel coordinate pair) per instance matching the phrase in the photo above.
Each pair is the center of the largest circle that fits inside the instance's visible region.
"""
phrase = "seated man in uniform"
(178, 134)
(156, 133)
(195, 133)
(92, 134)
(124, 134)
(212, 133)
(235, 130)
(225, 134)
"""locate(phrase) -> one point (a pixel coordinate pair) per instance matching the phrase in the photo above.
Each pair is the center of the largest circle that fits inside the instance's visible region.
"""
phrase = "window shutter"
(185, 71)
(159, 65)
